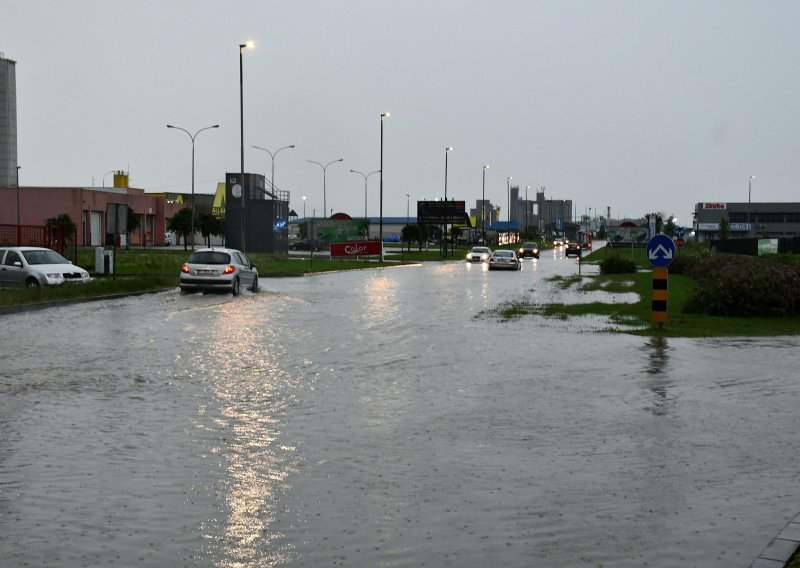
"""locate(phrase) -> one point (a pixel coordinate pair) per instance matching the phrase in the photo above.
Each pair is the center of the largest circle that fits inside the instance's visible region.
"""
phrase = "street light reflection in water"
(246, 380)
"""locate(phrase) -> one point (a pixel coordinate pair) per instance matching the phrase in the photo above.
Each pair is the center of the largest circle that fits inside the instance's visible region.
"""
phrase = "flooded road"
(371, 419)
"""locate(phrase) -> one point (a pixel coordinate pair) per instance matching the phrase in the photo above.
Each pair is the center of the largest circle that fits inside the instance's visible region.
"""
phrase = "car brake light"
(185, 269)
(229, 269)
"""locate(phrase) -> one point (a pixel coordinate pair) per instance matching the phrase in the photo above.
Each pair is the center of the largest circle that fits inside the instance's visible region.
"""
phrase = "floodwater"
(382, 418)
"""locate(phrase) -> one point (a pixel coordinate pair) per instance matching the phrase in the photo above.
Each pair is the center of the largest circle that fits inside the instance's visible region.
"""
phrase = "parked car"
(218, 269)
(36, 267)
(504, 259)
(529, 249)
(479, 254)
(573, 249)
(303, 244)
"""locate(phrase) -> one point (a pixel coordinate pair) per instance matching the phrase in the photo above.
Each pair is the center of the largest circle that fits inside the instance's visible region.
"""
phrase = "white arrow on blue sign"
(660, 251)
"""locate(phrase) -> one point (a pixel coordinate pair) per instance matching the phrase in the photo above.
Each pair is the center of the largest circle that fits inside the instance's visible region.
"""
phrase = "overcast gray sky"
(637, 105)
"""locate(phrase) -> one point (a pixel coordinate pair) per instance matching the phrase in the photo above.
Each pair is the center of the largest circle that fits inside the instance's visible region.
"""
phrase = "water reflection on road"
(370, 418)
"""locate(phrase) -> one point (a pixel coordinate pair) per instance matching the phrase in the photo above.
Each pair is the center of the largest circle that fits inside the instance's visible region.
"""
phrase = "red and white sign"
(355, 248)
(714, 206)
(680, 242)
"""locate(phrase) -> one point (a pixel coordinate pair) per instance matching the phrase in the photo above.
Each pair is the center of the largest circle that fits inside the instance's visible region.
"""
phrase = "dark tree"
(181, 224)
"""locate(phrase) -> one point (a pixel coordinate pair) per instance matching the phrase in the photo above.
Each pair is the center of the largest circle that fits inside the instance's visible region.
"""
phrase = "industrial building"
(746, 220)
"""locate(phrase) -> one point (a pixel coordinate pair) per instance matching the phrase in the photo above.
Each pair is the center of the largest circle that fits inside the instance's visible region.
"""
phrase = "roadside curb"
(56, 303)
(780, 550)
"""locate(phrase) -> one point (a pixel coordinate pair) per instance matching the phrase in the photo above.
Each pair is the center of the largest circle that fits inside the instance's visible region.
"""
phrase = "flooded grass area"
(621, 302)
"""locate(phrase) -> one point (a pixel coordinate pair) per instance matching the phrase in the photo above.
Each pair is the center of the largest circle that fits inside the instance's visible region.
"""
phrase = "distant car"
(559, 242)
(479, 254)
(303, 244)
(218, 269)
(529, 249)
(36, 267)
(504, 259)
(168, 240)
(573, 249)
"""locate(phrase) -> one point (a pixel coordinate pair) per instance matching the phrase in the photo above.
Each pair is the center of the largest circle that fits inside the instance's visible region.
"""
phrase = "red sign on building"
(355, 248)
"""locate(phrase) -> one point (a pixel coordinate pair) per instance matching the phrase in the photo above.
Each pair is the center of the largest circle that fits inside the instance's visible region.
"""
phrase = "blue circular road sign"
(660, 251)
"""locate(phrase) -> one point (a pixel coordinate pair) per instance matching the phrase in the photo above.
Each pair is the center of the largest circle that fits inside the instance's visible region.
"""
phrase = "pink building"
(86, 206)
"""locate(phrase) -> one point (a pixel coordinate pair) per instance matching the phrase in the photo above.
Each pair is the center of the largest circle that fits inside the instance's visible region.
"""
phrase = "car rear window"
(209, 257)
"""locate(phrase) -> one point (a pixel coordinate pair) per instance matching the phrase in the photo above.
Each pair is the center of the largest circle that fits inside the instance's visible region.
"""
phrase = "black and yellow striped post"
(660, 289)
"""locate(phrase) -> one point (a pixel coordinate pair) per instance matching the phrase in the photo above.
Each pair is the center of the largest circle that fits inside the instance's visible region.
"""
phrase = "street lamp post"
(508, 194)
(324, 183)
(447, 150)
(527, 210)
(272, 156)
(191, 137)
(483, 206)
(304, 207)
(380, 223)
(749, 188)
(248, 45)
(104, 177)
(19, 231)
(408, 204)
(366, 177)
(272, 184)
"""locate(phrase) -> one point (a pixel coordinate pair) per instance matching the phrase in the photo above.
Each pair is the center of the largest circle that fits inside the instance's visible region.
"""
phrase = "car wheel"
(32, 283)
(235, 287)
(254, 287)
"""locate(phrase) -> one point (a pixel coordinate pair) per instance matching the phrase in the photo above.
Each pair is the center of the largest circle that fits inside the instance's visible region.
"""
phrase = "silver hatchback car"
(35, 267)
(218, 269)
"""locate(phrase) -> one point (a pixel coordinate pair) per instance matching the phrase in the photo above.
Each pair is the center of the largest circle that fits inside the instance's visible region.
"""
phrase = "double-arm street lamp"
(273, 193)
(366, 177)
(191, 137)
(324, 183)
(272, 175)
(248, 45)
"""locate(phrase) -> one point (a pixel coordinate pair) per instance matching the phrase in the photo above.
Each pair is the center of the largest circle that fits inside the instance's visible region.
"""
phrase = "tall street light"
(380, 212)
(508, 193)
(483, 206)
(19, 238)
(366, 177)
(749, 187)
(447, 150)
(324, 183)
(104, 176)
(408, 204)
(304, 207)
(191, 137)
(248, 45)
(527, 210)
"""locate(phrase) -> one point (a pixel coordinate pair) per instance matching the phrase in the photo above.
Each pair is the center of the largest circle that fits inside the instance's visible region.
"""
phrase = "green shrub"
(617, 265)
(735, 285)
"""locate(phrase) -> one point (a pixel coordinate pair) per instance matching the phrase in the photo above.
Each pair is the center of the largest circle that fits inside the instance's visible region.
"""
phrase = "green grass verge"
(139, 270)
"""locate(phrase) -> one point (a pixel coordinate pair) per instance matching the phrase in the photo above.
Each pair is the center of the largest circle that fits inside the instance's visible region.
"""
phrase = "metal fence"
(32, 236)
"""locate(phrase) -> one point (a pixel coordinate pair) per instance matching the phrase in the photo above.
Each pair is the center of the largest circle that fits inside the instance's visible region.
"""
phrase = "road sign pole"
(659, 297)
